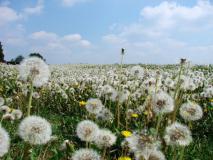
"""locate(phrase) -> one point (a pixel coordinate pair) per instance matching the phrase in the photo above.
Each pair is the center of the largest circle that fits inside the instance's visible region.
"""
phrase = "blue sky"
(93, 31)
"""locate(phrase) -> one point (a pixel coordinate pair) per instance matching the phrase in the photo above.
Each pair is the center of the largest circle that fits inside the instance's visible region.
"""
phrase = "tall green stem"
(175, 94)
(119, 89)
(181, 153)
(30, 100)
(178, 81)
(158, 124)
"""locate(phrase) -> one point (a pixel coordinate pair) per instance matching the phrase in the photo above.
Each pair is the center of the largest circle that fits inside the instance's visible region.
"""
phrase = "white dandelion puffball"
(191, 111)
(105, 138)
(5, 109)
(4, 141)
(1, 101)
(105, 115)
(86, 154)
(34, 69)
(162, 103)
(35, 130)
(17, 113)
(137, 71)
(150, 155)
(177, 135)
(87, 130)
(94, 105)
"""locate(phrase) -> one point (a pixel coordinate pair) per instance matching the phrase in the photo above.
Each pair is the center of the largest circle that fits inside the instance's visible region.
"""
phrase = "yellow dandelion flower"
(145, 113)
(126, 133)
(211, 100)
(10, 110)
(134, 115)
(82, 103)
(124, 158)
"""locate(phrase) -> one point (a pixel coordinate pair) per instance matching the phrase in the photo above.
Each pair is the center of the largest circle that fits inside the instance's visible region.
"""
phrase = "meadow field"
(106, 112)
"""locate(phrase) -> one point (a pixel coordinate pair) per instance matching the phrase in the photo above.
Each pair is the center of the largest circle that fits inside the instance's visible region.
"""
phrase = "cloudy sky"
(93, 31)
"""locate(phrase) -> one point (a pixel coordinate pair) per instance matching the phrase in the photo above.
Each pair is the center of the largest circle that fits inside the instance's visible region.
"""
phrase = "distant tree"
(1, 53)
(37, 55)
(18, 59)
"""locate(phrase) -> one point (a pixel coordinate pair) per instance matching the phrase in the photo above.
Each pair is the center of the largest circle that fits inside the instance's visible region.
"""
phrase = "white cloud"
(70, 3)
(68, 41)
(72, 37)
(8, 15)
(50, 45)
(166, 32)
(114, 39)
(168, 14)
(43, 35)
(36, 9)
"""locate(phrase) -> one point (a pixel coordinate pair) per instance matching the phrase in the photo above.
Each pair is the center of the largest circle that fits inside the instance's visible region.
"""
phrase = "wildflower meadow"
(106, 112)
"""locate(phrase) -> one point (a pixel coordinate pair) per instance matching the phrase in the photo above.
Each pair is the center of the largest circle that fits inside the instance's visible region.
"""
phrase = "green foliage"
(1, 53)
(37, 55)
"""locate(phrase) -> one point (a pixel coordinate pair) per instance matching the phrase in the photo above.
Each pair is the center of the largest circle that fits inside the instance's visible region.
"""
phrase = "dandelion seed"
(86, 154)
(1, 101)
(150, 155)
(35, 69)
(87, 130)
(178, 135)
(4, 141)
(162, 103)
(94, 106)
(191, 111)
(35, 130)
(5, 109)
(105, 138)
(17, 113)
(105, 115)
(8, 116)
(137, 71)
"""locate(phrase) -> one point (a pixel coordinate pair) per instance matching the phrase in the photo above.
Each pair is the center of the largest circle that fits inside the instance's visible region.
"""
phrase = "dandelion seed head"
(177, 135)
(87, 130)
(4, 141)
(94, 105)
(34, 69)
(105, 138)
(86, 154)
(162, 103)
(1, 101)
(35, 130)
(191, 111)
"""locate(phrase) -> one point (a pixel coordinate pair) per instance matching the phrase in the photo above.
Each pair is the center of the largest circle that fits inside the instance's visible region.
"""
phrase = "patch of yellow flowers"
(126, 133)
(124, 158)
(82, 103)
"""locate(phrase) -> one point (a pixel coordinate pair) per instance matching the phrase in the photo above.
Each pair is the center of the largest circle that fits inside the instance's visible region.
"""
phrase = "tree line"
(18, 59)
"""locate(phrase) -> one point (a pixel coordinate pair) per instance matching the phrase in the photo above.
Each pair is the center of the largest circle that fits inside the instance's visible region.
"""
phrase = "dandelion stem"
(87, 144)
(174, 154)
(158, 124)
(104, 153)
(177, 104)
(118, 114)
(175, 94)
(119, 88)
(181, 153)
(30, 99)
(178, 81)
